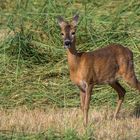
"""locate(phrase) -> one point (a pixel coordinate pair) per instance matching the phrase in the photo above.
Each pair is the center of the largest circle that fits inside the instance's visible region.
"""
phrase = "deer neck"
(72, 57)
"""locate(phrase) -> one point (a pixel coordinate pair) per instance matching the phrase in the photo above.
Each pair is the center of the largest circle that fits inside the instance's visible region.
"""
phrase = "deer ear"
(75, 20)
(60, 20)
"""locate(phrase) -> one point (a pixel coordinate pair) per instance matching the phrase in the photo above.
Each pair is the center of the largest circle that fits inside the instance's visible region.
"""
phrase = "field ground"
(37, 98)
(67, 124)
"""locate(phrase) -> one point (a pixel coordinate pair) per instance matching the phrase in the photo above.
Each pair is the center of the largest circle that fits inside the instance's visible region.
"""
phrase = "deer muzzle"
(67, 44)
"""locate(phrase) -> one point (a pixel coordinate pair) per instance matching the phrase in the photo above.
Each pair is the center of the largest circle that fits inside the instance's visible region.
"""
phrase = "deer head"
(68, 30)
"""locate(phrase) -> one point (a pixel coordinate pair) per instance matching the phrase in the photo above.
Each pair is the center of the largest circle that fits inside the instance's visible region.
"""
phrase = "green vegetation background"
(33, 63)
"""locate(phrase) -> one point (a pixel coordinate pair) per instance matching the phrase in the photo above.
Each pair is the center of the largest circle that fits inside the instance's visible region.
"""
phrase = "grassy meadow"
(37, 98)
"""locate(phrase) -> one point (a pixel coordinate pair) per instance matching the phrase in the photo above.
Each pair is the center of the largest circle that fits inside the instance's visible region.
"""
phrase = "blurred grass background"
(33, 63)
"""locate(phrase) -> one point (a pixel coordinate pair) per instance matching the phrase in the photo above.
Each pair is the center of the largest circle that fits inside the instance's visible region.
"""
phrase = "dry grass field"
(101, 125)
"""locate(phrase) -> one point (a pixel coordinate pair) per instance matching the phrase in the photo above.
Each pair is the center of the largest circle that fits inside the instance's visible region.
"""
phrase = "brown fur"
(102, 66)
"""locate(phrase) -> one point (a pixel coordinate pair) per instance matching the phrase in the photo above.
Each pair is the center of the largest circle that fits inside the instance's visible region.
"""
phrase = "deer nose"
(67, 42)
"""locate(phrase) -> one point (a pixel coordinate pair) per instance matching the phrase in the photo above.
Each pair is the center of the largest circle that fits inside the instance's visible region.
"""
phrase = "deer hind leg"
(130, 77)
(121, 93)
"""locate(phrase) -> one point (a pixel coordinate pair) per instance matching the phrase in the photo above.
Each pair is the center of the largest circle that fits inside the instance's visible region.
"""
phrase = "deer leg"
(82, 100)
(121, 93)
(87, 101)
(129, 76)
(131, 79)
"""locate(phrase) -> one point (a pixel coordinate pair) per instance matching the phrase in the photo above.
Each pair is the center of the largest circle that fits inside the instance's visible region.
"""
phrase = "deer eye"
(73, 33)
(62, 34)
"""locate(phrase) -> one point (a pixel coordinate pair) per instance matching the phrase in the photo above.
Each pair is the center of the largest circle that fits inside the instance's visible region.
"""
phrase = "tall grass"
(33, 62)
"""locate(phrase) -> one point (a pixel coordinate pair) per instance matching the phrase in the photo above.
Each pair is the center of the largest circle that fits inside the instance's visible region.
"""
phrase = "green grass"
(33, 63)
(49, 135)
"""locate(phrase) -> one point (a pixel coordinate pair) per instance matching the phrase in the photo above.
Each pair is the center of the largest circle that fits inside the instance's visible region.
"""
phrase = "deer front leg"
(82, 100)
(86, 104)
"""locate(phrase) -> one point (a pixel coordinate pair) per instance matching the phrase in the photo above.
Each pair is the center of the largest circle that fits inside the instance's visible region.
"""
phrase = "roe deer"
(102, 66)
